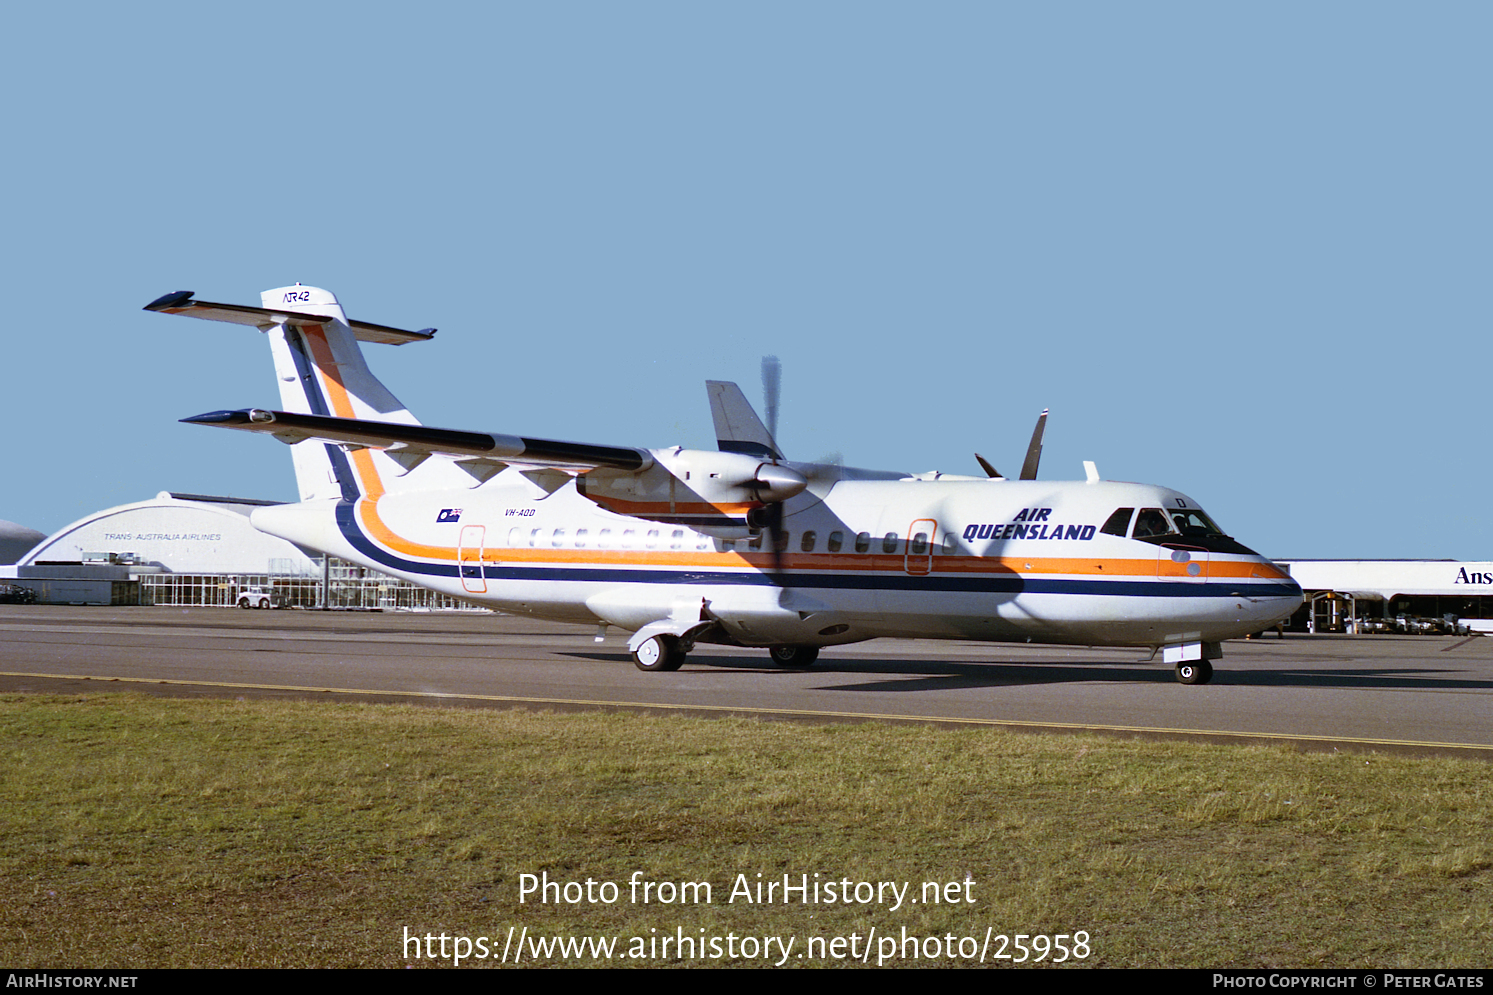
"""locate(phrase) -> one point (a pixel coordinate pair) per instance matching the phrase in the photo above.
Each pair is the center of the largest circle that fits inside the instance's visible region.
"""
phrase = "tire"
(1194, 672)
(243, 602)
(795, 657)
(659, 653)
(264, 603)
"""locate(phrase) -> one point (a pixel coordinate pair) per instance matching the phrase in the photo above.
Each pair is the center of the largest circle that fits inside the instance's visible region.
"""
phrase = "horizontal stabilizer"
(181, 302)
(407, 440)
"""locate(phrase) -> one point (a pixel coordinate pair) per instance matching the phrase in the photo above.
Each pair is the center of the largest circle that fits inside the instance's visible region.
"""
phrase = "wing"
(412, 443)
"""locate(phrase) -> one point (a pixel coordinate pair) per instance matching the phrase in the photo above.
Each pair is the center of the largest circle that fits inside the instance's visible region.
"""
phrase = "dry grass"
(145, 832)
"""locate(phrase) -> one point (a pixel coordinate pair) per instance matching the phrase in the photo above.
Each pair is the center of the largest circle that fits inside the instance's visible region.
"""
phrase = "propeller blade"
(1034, 451)
(772, 382)
(769, 518)
(779, 540)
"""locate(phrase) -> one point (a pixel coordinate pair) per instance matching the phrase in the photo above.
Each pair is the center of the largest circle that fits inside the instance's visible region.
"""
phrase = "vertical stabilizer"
(329, 351)
(321, 371)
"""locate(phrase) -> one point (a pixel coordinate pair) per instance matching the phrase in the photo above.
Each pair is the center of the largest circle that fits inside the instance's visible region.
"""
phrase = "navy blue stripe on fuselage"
(999, 584)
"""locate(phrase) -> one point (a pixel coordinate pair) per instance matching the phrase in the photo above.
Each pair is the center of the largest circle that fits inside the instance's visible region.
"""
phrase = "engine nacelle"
(705, 490)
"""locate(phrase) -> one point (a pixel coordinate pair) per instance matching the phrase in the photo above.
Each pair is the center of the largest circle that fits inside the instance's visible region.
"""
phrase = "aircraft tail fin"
(320, 370)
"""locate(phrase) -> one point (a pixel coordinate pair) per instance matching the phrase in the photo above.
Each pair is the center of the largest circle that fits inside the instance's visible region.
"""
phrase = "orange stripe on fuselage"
(871, 563)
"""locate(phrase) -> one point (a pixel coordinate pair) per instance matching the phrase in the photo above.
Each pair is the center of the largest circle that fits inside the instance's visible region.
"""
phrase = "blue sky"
(1241, 250)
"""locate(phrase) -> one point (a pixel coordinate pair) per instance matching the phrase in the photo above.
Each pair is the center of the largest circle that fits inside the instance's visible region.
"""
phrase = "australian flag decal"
(448, 515)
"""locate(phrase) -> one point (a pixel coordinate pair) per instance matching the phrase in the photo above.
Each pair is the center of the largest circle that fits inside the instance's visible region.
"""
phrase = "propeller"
(1033, 453)
(770, 516)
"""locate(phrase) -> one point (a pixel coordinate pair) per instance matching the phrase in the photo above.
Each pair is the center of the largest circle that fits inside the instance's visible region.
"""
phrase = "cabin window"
(863, 542)
(889, 542)
(807, 542)
(755, 542)
(604, 539)
(515, 536)
(651, 541)
(950, 543)
(629, 537)
(676, 539)
(1151, 522)
(919, 544)
(558, 539)
(836, 541)
(534, 537)
(580, 538)
(780, 541)
(1118, 523)
(702, 543)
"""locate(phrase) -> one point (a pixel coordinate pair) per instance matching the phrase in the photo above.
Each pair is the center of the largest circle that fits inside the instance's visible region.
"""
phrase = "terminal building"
(1414, 596)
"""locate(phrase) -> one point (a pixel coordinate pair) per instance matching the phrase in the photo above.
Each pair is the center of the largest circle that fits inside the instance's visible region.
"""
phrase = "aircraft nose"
(1280, 604)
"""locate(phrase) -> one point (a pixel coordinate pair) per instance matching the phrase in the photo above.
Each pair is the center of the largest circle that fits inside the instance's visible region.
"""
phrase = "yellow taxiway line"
(785, 712)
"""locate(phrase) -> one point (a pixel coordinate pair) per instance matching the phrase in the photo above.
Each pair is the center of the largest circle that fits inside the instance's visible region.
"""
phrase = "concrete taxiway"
(1366, 692)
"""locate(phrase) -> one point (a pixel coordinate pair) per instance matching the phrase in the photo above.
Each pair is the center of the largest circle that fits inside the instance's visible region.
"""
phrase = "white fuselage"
(964, 559)
(661, 542)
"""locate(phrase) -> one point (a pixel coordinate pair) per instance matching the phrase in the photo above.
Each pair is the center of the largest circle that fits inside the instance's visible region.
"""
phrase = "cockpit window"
(1119, 522)
(1184, 528)
(1195, 523)
(1151, 522)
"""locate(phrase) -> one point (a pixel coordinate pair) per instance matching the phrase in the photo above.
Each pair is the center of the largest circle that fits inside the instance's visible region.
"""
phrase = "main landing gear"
(794, 657)
(1195, 672)
(664, 652)
(659, 652)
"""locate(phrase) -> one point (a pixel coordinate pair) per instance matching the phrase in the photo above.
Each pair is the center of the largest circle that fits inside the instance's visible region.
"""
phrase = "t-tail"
(322, 375)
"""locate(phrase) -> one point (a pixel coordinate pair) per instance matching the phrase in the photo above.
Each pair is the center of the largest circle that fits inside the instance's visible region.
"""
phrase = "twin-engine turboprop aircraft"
(740, 546)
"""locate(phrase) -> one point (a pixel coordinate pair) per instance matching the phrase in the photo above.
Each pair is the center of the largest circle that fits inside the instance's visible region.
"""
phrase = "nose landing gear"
(1195, 672)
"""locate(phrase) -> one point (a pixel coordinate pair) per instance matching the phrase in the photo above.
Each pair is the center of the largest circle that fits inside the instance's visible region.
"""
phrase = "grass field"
(148, 832)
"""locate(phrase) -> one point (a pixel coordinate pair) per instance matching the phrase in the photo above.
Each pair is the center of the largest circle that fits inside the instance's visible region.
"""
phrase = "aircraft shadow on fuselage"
(939, 675)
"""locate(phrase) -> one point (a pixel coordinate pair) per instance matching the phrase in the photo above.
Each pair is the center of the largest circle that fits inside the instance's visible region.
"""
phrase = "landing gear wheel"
(797, 657)
(1195, 672)
(659, 653)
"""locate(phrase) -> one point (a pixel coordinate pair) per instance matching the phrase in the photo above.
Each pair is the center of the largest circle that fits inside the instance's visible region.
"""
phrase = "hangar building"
(16, 541)
(194, 549)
